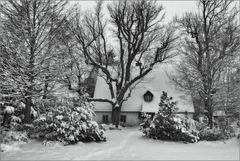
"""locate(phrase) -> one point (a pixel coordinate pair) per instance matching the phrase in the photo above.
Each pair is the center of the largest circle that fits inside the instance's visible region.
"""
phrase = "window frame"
(148, 96)
(105, 119)
(123, 118)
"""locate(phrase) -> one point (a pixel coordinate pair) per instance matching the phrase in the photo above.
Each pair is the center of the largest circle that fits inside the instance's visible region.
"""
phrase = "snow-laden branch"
(100, 100)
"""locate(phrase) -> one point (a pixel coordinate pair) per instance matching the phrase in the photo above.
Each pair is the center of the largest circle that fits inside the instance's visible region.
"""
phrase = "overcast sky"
(171, 7)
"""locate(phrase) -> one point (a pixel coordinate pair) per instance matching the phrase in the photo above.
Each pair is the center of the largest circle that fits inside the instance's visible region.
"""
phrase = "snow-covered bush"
(9, 147)
(11, 135)
(224, 129)
(8, 136)
(200, 125)
(9, 115)
(12, 113)
(10, 139)
(9, 110)
(46, 105)
(217, 133)
(69, 123)
(167, 126)
(210, 134)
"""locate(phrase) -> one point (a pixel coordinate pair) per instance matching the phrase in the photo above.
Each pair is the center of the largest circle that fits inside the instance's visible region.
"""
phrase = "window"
(105, 119)
(148, 96)
(123, 118)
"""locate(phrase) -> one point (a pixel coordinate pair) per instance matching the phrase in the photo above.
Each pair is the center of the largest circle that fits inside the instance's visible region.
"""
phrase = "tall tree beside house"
(28, 32)
(139, 41)
(210, 38)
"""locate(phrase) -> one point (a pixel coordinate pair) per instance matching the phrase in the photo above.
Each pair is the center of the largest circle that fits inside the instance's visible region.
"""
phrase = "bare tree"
(210, 37)
(139, 41)
(227, 98)
(188, 81)
(75, 71)
(29, 28)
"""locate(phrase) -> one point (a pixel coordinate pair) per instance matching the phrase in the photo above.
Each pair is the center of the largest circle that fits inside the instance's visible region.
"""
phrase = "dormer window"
(148, 96)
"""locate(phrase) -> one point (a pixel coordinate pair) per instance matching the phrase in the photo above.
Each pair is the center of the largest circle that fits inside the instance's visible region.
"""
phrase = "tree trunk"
(45, 90)
(208, 107)
(210, 119)
(6, 120)
(27, 111)
(116, 116)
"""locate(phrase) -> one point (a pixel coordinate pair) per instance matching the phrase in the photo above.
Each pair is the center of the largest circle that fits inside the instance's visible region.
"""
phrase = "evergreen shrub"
(166, 125)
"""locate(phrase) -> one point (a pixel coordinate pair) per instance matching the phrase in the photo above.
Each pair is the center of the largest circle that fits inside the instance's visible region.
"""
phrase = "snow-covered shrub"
(6, 113)
(9, 110)
(69, 123)
(46, 105)
(167, 126)
(9, 147)
(223, 130)
(10, 118)
(228, 127)
(217, 133)
(12, 113)
(9, 136)
(189, 124)
(10, 139)
(210, 134)
(200, 125)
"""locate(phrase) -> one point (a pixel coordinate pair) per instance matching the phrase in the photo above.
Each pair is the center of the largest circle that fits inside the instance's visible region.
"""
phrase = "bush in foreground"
(10, 135)
(167, 126)
(69, 123)
(10, 139)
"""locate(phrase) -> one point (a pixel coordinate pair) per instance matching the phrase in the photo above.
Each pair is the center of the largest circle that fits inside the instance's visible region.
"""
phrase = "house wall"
(132, 118)
(99, 116)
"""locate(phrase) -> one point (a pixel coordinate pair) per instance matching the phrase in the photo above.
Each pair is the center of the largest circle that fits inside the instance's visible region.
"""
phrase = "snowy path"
(128, 144)
(109, 150)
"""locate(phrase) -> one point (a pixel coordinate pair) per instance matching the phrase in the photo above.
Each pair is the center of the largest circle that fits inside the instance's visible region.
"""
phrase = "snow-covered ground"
(127, 144)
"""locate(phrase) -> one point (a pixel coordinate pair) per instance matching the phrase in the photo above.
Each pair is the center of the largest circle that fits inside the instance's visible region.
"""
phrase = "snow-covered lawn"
(127, 144)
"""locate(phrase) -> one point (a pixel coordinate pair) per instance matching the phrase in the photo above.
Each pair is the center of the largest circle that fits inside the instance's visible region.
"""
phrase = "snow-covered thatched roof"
(155, 82)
